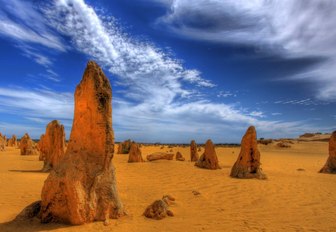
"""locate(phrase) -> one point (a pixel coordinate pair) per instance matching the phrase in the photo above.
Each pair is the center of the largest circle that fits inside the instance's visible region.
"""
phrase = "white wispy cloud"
(29, 25)
(160, 107)
(287, 28)
(22, 22)
(303, 102)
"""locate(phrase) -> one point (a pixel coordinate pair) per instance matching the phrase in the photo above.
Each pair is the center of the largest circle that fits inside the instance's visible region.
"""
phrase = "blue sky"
(180, 69)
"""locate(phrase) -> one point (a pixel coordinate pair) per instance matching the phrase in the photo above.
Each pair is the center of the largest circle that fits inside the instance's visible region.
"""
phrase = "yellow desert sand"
(295, 197)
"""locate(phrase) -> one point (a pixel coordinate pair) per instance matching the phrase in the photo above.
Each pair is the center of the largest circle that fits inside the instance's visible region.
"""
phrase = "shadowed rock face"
(135, 154)
(12, 142)
(179, 156)
(248, 162)
(124, 147)
(209, 158)
(82, 188)
(193, 151)
(27, 146)
(330, 166)
(52, 145)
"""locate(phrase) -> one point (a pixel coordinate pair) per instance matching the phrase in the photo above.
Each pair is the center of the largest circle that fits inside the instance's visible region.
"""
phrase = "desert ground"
(295, 197)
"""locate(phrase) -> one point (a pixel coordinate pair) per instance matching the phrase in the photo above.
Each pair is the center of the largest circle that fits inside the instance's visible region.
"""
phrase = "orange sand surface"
(290, 200)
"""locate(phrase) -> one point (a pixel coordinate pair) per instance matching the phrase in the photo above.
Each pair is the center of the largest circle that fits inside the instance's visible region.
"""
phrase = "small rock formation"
(82, 188)
(248, 162)
(27, 146)
(209, 158)
(52, 145)
(193, 151)
(330, 166)
(135, 154)
(12, 142)
(2, 142)
(160, 155)
(124, 147)
(179, 156)
(283, 145)
(265, 141)
(159, 208)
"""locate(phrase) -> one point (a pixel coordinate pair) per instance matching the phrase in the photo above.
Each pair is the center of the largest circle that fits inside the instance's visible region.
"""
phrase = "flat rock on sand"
(160, 156)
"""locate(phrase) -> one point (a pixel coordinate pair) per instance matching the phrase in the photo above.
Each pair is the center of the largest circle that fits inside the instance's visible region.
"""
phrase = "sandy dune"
(290, 200)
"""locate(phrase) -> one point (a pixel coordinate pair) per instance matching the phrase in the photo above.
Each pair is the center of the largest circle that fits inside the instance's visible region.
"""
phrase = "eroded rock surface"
(124, 147)
(209, 158)
(82, 188)
(52, 145)
(28, 146)
(179, 156)
(248, 162)
(135, 154)
(193, 151)
(159, 208)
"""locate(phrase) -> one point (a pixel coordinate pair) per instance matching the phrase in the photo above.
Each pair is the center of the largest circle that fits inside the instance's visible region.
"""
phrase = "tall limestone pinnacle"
(82, 188)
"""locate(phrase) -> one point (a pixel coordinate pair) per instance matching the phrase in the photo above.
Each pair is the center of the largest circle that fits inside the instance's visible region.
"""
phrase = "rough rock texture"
(160, 155)
(30, 212)
(193, 151)
(209, 158)
(27, 146)
(248, 162)
(82, 188)
(159, 208)
(12, 142)
(330, 166)
(135, 154)
(179, 156)
(52, 145)
(2, 142)
(124, 147)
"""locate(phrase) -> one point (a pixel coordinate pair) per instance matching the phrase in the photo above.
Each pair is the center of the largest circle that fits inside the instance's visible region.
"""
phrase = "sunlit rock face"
(209, 158)
(135, 155)
(82, 188)
(248, 162)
